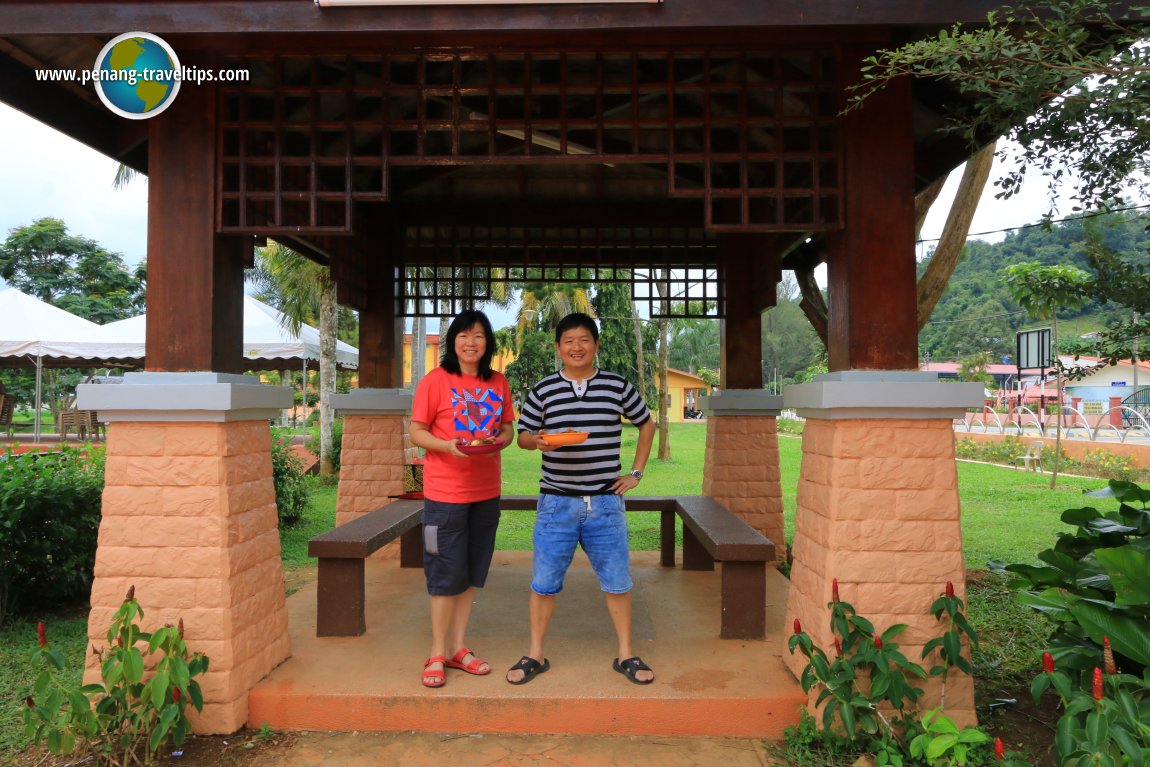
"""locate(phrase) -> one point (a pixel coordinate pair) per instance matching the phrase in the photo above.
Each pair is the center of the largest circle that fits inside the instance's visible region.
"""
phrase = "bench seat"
(711, 533)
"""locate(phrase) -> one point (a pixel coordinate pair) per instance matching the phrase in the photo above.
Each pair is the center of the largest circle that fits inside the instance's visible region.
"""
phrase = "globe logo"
(137, 75)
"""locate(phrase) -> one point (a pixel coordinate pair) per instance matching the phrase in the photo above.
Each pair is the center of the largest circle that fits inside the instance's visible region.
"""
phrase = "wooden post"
(749, 270)
(195, 278)
(871, 267)
(381, 322)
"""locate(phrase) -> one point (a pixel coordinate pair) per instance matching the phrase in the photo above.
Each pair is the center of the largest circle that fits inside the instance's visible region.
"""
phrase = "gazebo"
(427, 151)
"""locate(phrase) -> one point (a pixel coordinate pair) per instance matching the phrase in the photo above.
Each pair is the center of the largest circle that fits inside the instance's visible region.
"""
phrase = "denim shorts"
(598, 523)
(458, 544)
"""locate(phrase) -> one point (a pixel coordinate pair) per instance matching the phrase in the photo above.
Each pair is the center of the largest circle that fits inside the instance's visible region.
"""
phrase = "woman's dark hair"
(466, 320)
(576, 320)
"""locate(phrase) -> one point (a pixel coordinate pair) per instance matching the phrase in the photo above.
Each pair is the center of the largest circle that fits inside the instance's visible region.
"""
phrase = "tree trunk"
(418, 350)
(664, 395)
(946, 256)
(285, 381)
(664, 387)
(327, 337)
(640, 355)
(1058, 396)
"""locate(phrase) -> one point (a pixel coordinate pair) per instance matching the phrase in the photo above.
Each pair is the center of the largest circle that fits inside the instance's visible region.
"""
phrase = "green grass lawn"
(1007, 514)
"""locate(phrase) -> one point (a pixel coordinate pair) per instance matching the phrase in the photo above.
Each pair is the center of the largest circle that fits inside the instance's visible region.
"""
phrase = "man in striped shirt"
(581, 489)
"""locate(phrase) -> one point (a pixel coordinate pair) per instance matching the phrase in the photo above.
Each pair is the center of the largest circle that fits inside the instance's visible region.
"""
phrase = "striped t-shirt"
(592, 467)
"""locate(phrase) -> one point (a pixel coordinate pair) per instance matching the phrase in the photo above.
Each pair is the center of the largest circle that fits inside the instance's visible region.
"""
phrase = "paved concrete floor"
(424, 749)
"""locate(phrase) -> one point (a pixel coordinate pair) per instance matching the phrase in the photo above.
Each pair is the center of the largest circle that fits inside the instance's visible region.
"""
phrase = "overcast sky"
(44, 173)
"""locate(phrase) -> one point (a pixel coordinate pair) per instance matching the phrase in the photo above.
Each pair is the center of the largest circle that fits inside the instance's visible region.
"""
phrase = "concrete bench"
(711, 533)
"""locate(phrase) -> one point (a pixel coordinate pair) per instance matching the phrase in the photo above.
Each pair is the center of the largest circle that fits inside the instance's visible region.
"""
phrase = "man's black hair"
(576, 320)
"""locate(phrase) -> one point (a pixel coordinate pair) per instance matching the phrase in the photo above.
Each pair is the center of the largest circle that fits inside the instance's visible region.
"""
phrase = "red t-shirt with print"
(463, 407)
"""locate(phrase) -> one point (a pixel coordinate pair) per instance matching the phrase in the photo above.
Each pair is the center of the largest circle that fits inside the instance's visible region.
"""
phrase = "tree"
(535, 360)
(1042, 291)
(1065, 79)
(71, 272)
(694, 344)
(304, 290)
(621, 349)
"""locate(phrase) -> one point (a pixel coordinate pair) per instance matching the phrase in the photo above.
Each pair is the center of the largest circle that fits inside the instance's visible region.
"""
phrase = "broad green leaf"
(1127, 635)
(1129, 571)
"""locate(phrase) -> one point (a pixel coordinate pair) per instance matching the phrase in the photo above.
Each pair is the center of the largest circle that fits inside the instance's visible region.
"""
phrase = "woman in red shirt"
(462, 403)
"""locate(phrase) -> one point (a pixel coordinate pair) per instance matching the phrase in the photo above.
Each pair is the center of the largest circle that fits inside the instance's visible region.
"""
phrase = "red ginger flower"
(798, 626)
(878, 643)
(31, 703)
(1048, 663)
(131, 593)
(999, 749)
(41, 634)
(1108, 657)
(950, 589)
(838, 646)
(835, 590)
(176, 694)
(1097, 689)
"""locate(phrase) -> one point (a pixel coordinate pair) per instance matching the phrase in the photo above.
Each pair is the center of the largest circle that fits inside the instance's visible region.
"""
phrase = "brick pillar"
(372, 457)
(878, 509)
(1115, 412)
(741, 467)
(189, 519)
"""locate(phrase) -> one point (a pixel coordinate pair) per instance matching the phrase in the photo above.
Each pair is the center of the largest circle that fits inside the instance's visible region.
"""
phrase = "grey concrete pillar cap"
(199, 397)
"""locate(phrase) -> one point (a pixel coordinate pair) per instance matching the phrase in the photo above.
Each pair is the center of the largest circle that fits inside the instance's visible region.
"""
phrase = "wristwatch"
(638, 475)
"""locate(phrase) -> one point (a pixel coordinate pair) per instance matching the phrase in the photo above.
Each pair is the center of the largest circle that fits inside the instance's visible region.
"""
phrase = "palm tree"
(543, 304)
(302, 290)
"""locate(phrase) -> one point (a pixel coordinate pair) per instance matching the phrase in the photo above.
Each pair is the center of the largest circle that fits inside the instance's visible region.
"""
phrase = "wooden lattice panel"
(672, 271)
(751, 132)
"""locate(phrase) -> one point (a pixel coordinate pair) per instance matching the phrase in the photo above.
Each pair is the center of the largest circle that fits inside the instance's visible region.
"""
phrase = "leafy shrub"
(336, 441)
(124, 719)
(868, 691)
(49, 520)
(789, 425)
(1094, 587)
(293, 491)
(1103, 463)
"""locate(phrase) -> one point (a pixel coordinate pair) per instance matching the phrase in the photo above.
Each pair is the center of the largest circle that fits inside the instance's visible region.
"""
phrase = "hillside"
(976, 312)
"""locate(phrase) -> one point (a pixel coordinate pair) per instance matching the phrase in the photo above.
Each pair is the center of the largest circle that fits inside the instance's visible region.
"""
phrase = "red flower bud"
(41, 634)
(176, 694)
(119, 641)
(838, 646)
(180, 628)
(835, 590)
(31, 703)
(878, 643)
(1097, 689)
(1108, 657)
(131, 593)
(950, 590)
(1048, 663)
(798, 626)
(999, 749)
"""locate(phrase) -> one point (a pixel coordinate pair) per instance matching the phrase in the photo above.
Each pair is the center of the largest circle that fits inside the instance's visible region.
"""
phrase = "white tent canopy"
(30, 328)
(265, 338)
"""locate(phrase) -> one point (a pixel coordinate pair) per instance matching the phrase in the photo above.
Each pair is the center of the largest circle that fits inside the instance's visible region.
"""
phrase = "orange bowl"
(558, 439)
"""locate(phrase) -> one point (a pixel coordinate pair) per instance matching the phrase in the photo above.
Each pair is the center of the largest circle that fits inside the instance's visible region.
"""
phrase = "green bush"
(49, 520)
(789, 426)
(293, 491)
(336, 441)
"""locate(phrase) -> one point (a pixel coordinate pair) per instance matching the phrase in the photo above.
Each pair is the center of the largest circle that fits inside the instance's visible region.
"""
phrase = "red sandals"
(435, 677)
(471, 668)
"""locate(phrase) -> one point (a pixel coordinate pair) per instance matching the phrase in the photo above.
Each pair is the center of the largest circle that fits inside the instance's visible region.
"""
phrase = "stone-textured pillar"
(741, 467)
(371, 459)
(189, 519)
(878, 509)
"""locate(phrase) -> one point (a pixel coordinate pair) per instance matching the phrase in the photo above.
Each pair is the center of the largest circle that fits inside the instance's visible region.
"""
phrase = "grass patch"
(67, 630)
(319, 517)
